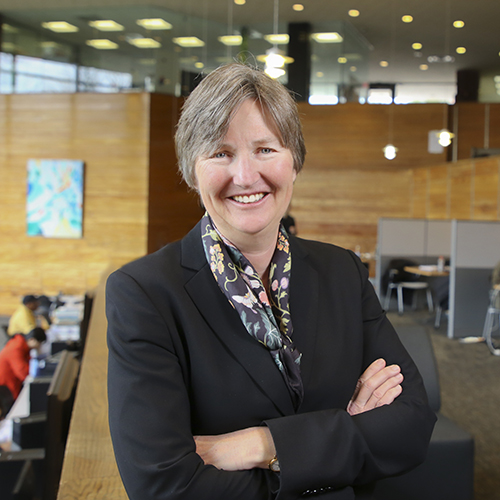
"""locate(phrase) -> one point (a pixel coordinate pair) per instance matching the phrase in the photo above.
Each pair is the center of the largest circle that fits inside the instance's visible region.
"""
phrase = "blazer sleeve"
(149, 408)
(330, 449)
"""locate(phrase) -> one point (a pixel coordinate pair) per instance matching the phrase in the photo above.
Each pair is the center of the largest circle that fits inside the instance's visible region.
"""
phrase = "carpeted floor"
(470, 393)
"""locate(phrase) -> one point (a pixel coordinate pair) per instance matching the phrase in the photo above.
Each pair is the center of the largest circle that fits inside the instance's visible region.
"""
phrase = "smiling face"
(246, 186)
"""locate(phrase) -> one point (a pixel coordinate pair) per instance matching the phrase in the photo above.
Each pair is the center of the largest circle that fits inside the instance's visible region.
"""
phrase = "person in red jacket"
(15, 359)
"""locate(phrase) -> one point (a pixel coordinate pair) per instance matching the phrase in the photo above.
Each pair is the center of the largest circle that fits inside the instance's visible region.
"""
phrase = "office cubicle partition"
(475, 253)
(420, 240)
(473, 248)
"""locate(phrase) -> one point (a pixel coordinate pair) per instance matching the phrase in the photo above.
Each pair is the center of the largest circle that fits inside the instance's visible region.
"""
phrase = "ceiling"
(379, 23)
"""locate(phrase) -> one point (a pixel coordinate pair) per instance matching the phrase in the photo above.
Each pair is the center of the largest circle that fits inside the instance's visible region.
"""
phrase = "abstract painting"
(55, 198)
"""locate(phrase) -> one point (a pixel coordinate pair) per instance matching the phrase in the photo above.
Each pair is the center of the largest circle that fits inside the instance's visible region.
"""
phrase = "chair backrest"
(395, 272)
(418, 344)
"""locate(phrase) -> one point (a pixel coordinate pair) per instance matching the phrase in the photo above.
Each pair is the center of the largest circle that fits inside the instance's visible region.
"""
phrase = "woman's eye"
(219, 155)
(266, 150)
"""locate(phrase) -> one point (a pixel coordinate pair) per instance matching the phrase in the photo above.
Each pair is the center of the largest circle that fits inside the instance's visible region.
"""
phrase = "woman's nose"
(245, 172)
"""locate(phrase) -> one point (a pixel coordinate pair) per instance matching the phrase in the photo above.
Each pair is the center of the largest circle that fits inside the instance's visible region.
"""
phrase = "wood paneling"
(171, 208)
(478, 126)
(353, 135)
(135, 201)
(461, 189)
(486, 192)
(438, 192)
(124, 145)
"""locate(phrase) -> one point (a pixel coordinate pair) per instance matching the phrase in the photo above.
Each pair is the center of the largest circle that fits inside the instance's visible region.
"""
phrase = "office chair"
(396, 283)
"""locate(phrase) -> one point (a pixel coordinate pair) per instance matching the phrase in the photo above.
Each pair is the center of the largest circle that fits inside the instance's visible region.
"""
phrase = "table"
(427, 270)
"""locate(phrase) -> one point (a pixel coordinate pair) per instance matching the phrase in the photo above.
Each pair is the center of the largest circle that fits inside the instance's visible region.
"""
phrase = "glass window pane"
(5, 83)
(6, 62)
(101, 80)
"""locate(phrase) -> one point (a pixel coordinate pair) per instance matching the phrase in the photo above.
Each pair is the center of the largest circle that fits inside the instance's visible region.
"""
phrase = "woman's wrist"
(267, 448)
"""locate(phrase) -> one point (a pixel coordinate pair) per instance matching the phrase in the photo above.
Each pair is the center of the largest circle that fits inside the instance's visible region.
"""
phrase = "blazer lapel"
(226, 325)
(304, 300)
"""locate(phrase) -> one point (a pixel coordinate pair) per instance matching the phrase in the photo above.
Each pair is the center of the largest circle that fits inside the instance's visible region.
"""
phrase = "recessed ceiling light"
(461, 50)
(7, 28)
(144, 43)
(342, 60)
(240, 2)
(199, 65)
(298, 7)
(320, 74)
(60, 27)
(231, 40)
(384, 64)
(102, 44)
(154, 24)
(353, 13)
(188, 41)
(416, 46)
(49, 45)
(424, 67)
(407, 19)
(106, 25)
(332, 37)
(458, 24)
(278, 39)
(353, 68)
(8, 47)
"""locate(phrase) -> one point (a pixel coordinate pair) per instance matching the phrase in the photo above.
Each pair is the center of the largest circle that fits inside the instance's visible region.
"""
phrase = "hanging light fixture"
(444, 135)
(389, 149)
(274, 58)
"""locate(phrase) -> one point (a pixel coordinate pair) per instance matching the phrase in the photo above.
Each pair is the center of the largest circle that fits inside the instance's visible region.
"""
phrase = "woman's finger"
(373, 384)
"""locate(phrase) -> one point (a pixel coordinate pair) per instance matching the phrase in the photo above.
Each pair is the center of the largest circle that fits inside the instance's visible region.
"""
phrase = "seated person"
(15, 359)
(23, 320)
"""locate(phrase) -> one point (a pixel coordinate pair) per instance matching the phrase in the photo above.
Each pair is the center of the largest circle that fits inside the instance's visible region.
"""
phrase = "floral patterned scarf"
(268, 321)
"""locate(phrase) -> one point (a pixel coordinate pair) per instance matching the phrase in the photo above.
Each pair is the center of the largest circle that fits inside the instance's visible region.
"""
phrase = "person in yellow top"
(23, 320)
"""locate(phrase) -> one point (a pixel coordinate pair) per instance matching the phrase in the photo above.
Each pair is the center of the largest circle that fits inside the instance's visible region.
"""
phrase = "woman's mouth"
(249, 198)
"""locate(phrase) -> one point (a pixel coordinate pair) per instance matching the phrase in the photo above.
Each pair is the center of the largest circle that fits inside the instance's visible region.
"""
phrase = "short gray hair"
(207, 112)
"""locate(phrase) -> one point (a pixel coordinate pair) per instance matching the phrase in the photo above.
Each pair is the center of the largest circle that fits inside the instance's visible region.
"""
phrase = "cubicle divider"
(420, 240)
(473, 249)
(475, 253)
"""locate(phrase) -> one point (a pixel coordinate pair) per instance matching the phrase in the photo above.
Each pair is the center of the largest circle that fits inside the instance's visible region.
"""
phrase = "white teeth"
(249, 199)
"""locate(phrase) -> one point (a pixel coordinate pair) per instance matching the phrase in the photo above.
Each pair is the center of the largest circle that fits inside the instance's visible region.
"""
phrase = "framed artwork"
(54, 207)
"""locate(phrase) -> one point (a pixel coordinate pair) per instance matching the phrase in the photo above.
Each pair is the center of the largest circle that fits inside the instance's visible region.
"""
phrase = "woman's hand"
(379, 385)
(239, 450)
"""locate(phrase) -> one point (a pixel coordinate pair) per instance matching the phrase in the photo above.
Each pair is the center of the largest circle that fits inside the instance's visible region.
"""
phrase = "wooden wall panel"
(172, 209)
(352, 135)
(438, 193)
(473, 125)
(486, 178)
(494, 125)
(111, 134)
(343, 206)
(419, 193)
(135, 201)
(461, 190)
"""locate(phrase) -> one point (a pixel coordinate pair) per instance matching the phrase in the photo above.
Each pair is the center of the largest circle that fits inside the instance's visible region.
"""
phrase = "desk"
(429, 271)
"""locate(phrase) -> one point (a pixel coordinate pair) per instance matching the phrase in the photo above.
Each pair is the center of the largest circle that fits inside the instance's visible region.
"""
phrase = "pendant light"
(389, 149)
(275, 59)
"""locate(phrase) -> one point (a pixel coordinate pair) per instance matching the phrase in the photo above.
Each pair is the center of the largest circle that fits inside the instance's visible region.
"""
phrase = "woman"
(244, 363)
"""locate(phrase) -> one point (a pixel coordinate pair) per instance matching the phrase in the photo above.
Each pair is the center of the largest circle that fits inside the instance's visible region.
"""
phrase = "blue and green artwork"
(55, 198)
